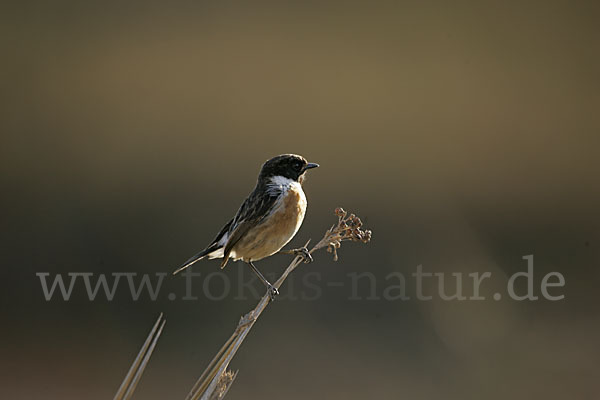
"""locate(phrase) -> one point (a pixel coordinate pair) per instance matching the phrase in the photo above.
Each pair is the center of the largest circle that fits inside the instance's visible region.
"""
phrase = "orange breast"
(276, 230)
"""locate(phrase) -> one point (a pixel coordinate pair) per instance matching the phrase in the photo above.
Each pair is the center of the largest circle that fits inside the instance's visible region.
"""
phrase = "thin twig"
(141, 361)
(214, 382)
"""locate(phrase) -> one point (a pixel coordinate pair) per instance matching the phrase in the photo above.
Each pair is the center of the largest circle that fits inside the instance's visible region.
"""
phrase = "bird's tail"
(204, 253)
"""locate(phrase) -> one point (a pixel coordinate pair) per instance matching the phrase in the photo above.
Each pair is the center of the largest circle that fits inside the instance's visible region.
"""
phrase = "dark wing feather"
(254, 209)
(214, 245)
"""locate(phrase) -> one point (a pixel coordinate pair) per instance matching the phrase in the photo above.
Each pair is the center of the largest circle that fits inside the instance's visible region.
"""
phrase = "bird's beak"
(309, 166)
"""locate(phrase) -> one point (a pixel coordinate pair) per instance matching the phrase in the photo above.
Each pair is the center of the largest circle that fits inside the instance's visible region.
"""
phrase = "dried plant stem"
(141, 361)
(216, 379)
(207, 386)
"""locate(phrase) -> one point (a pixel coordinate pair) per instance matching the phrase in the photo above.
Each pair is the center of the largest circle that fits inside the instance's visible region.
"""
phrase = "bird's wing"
(254, 209)
(216, 244)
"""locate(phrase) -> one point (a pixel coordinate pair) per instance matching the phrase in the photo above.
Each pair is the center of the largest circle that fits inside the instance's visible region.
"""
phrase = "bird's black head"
(289, 166)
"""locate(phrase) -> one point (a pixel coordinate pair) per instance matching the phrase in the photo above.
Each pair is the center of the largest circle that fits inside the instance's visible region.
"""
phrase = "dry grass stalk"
(141, 361)
(216, 378)
(223, 385)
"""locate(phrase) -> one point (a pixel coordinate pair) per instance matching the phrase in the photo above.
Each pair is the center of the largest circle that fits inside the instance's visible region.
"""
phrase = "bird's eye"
(298, 165)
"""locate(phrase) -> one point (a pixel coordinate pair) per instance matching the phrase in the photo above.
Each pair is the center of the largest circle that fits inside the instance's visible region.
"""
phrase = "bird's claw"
(304, 253)
(273, 292)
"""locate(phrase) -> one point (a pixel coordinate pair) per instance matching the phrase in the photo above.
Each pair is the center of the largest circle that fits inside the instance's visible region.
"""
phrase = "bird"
(267, 219)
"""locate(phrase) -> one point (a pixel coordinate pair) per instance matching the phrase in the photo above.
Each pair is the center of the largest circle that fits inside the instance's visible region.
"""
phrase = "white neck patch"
(280, 184)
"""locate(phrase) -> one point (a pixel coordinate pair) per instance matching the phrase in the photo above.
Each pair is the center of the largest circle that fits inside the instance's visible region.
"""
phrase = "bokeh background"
(465, 134)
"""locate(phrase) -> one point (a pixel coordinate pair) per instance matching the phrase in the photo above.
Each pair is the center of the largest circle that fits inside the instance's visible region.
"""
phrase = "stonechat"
(267, 220)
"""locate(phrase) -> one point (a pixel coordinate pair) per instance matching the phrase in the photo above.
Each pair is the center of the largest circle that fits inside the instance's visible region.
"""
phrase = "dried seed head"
(340, 212)
(367, 236)
(347, 228)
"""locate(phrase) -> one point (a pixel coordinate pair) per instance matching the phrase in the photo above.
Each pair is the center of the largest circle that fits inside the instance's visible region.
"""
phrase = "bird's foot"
(304, 253)
(273, 292)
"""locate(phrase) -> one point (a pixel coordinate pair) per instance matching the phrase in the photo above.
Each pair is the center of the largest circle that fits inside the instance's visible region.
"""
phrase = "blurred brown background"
(465, 135)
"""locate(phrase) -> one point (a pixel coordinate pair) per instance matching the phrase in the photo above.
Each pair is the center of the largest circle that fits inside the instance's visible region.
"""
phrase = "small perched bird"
(267, 220)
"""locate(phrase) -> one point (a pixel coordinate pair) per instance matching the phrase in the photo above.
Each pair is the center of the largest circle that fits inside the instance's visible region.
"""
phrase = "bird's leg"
(302, 252)
(272, 289)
